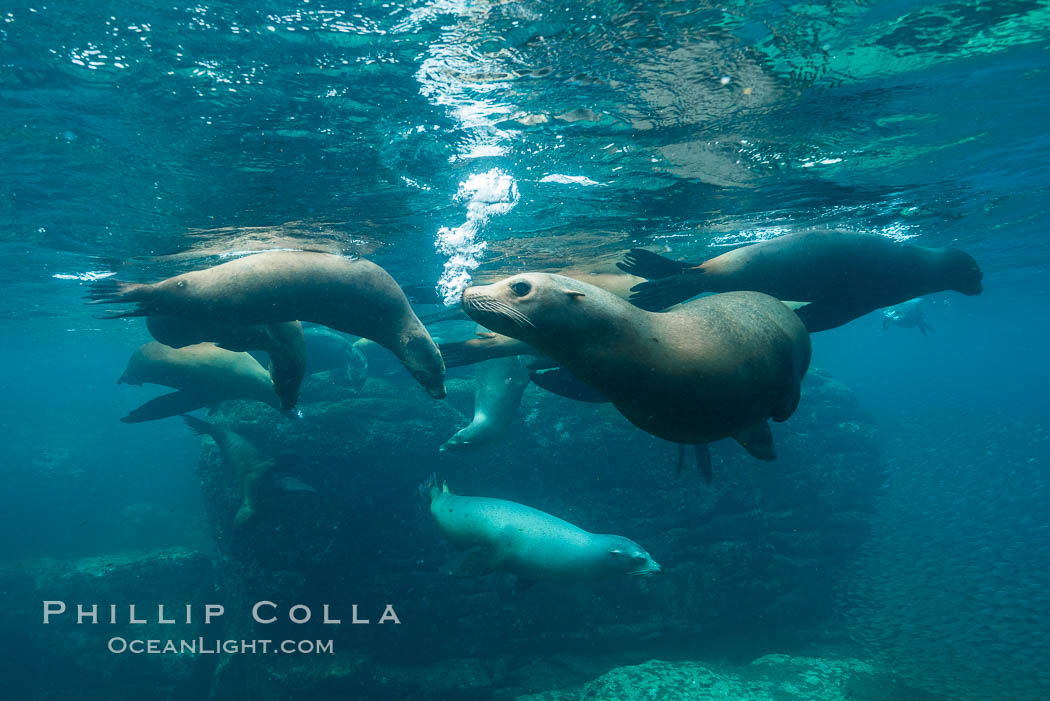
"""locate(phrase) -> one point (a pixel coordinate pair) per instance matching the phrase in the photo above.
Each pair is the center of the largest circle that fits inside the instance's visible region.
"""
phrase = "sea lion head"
(515, 306)
(630, 558)
(420, 355)
(963, 273)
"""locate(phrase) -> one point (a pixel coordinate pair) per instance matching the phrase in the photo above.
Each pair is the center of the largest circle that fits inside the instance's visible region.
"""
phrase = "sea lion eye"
(521, 288)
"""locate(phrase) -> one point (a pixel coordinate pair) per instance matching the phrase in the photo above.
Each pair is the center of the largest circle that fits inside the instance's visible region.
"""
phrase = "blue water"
(446, 139)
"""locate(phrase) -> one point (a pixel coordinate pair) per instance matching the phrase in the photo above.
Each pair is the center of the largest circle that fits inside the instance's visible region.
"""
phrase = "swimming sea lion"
(283, 342)
(486, 346)
(354, 296)
(331, 350)
(718, 367)
(505, 535)
(203, 374)
(498, 386)
(841, 275)
(240, 455)
(908, 315)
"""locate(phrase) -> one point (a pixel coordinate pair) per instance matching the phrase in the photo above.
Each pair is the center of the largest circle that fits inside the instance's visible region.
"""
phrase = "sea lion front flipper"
(652, 266)
(478, 562)
(703, 462)
(757, 440)
(454, 314)
(656, 295)
(558, 380)
(164, 406)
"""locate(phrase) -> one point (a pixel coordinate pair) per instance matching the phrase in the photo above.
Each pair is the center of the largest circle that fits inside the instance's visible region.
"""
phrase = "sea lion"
(717, 367)
(251, 468)
(498, 386)
(354, 296)
(331, 350)
(908, 315)
(487, 346)
(505, 535)
(283, 342)
(203, 375)
(841, 275)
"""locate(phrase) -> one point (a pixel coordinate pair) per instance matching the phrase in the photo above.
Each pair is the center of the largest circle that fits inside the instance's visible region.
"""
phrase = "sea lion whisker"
(495, 306)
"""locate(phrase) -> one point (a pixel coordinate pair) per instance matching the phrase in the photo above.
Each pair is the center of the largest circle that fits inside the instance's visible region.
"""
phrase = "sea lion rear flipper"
(652, 266)
(164, 406)
(478, 562)
(703, 461)
(110, 291)
(558, 380)
(757, 440)
(655, 295)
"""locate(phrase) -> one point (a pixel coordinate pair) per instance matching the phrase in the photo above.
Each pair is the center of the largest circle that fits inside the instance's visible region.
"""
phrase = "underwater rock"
(752, 560)
(769, 678)
(45, 658)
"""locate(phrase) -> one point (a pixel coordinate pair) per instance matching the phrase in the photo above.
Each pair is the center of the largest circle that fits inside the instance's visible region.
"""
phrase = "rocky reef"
(750, 563)
(67, 660)
(769, 678)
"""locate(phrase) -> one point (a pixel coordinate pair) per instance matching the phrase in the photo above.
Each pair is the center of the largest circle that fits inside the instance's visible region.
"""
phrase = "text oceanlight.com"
(202, 646)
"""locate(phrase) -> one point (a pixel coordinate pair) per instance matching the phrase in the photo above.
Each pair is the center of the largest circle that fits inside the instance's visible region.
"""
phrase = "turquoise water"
(451, 141)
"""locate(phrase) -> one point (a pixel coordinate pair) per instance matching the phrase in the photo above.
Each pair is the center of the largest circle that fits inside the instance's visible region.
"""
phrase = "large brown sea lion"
(841, 275)
(712, 369)
(203, 375)
(354, 296)
(283, 342)
(488, 346)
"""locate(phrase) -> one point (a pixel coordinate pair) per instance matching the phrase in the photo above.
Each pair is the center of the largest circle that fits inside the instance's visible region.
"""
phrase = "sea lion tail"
(652, 266)
(656, 295)
(111, 291)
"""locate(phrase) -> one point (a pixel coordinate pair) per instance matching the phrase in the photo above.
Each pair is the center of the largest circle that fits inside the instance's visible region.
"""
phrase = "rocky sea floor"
(751, 563)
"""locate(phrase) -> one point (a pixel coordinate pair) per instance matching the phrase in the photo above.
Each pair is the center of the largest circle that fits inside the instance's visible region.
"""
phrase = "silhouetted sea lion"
(283, 342)
(354, 296)
(841, 275)
(715, 368)
(249, 465)
(203, 375)
(505, 535)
